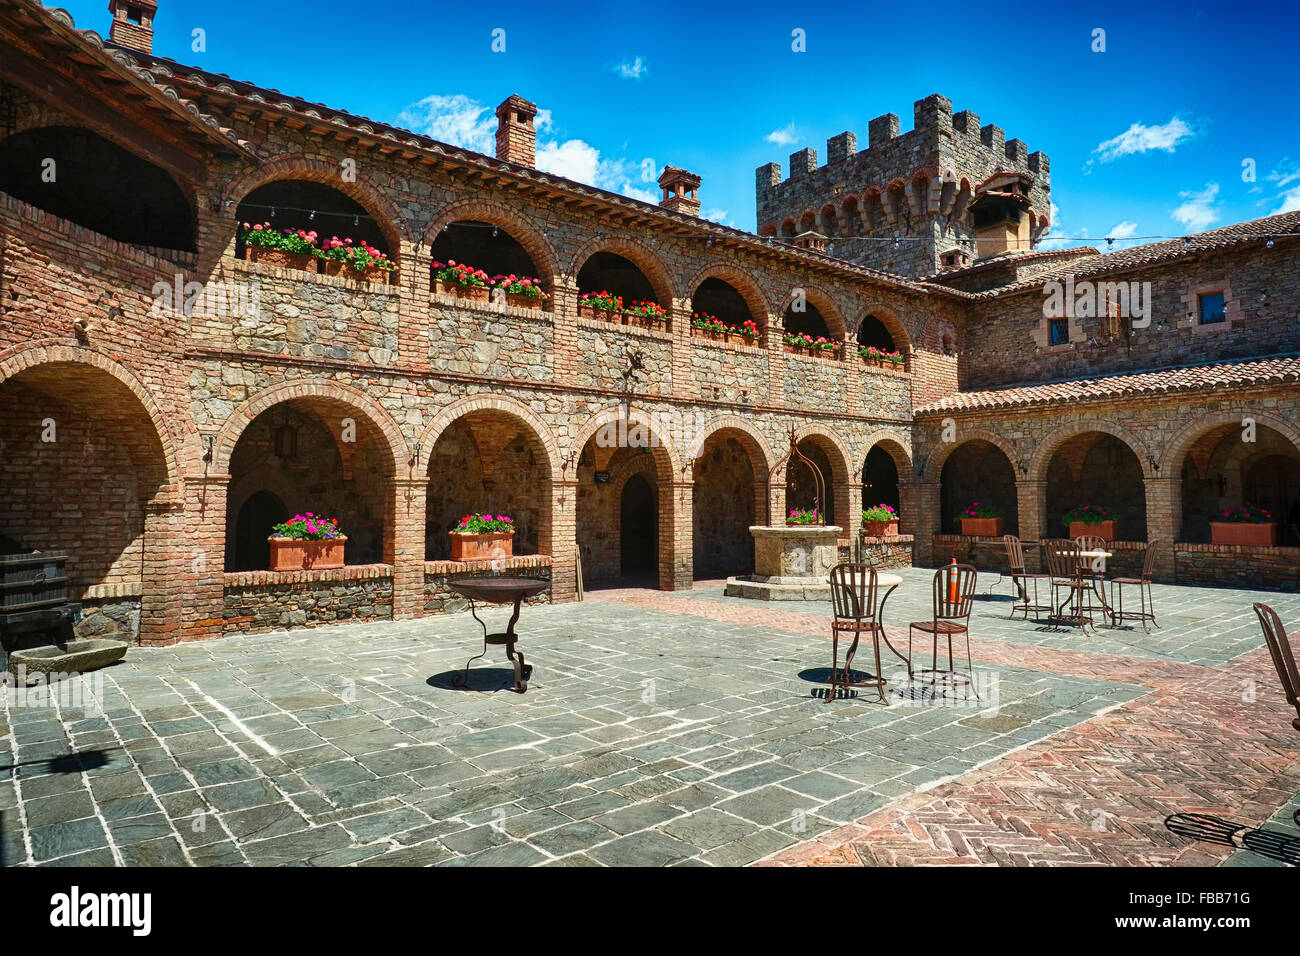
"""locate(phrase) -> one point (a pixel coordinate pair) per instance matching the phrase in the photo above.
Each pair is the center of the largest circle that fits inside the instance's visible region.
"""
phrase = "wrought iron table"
(1086, 571)
(499, 591)
(886, 584)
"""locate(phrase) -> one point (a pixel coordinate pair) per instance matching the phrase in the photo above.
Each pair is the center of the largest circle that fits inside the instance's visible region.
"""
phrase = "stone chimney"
(132, 24)
(516, 134)
(681, 191)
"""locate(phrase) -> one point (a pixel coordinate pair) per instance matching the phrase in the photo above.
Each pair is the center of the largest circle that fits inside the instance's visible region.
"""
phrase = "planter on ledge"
(333, 267)
(481, 547)
(982, 527)
(1104, 530)
(278, 257)
(296, 554)
(591, 312)
(475, 293)
(881, 529)
(1245, 533)
(524, 301)
(709, 334)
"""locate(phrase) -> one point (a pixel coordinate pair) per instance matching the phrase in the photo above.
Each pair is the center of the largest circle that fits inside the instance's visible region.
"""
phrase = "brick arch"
(898, 447)
(223, 446)
(934, 463)
(668, 462)
(836, 450)
(366, 191)
(639, 254)
(523, 229)
(743, 281)
(753, 441)
(38, 355)
(932, 333)
(826, 305)
(768, 230)
(804, 216)
(1176, 449)
(1048, 447)
(541, 432)
(888, 316)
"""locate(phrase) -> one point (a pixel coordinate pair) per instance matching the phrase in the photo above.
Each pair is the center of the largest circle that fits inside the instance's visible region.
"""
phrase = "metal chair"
(1147, 603)
(1022, 579)
(1279, 648)
(853, 600)
(1091, 572)
(1064, 567)
(954, 599)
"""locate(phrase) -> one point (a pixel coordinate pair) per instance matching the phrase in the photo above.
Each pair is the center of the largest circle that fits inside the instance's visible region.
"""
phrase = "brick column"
(775, 364)
(564, 315)
(683, 383)
(776, 495)
(854, 522)
(408, 546)
(1164, 522)
(413, 321)
(1031, 508)
(200, 544)
(928, 518)
(676, 536)
(563, 545)
(165, 567)
(908, 506)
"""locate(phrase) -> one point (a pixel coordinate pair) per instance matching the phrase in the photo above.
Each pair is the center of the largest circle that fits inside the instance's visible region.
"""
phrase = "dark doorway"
(879, 479)
(639, 529)
(1273, 483)
(253, 526)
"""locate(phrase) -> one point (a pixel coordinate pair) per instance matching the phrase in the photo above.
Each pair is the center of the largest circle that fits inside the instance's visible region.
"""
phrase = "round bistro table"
(491, 590)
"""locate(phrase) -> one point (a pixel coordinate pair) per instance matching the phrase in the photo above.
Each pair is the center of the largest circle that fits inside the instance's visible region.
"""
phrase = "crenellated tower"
(940, 196)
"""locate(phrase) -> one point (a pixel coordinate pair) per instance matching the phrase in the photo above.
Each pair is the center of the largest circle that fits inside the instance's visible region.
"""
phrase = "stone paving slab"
(659, 729)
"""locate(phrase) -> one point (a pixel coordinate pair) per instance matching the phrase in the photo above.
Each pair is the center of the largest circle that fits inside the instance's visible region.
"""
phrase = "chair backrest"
(1149, 561)
(1279, 648)
(954, 591)
(1062, 557)
(853, 592)
(1090, 542)
(1015, 552)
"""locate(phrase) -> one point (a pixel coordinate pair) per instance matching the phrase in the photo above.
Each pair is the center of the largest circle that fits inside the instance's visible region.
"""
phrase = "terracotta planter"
(280, 258)
(708, 334)
(797, 349)
(881, 529)
(291, 554)
(481, 547)
(475, 293)
(1104, 530)
(591, 312)
(749, 340)
(1240, 532)
(524, 301)
(982, 527)
(333, 267)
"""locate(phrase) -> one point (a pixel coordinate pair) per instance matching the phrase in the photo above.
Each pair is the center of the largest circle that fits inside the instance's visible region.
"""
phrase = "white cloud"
(455, 119)
(1290, 201)
(572, 159)
(783, 136)
(716, 215)
(634, 68)
(1286, 173)
(1139, 138)
(1197, 210)
(1055, 237)
(1124, 230)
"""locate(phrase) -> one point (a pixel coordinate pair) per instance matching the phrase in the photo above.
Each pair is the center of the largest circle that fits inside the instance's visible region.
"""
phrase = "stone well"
(791, 563)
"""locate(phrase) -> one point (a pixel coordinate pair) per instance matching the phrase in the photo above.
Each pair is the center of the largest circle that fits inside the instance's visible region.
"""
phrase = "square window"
(1060, 332)
(1212, 308)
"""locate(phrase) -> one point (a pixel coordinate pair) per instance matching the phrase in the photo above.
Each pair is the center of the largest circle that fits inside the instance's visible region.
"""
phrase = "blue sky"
(1147, 138)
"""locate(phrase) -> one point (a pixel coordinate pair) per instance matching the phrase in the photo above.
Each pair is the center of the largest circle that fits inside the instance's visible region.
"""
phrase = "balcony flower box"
(280, 258)
(333, 267)
(524, 301)
(880, 521)
(284, 248)
(1250, 535)
(482, 537)
(708, 326)
(710, 334)
(982, 527)
(1104, 529)
(600, 305)
(521, 292)
(357, 260)
(473, 293)
(645, 315)
(736, 338)
(461, 280)
(295, 554)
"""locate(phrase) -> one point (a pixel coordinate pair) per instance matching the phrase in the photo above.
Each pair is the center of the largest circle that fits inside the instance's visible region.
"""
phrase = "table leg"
(462, 679)
(880, 626)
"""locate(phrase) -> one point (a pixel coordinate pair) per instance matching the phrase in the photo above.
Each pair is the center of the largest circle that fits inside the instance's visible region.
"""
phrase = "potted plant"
(646, 315)
(880, 358)
(1090, 519)
(798, 343)
(356, 260)
(708, 326)
(982, 520)
(600, 305)
(1246, 525)
(522, 291)
(482, 537)
(880, 521)
(287, 248)
(307, 542)
(746, 333)
(461, 280)
(802, 516)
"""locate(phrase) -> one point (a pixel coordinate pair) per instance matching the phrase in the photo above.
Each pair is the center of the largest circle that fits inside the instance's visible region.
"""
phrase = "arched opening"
(829, 221)
(315, 455)
(725, 503)
(809, 321)
(788, 228)
(311, 206)
(488, 461)
(80, 176)
(879, 479)
(612, 273)
(720, 299)
(639, 529)
(872, 333)
(1221, 470)
(851, 217)
(977, 471)
(257, 515)
(1098, 469)
(486, 246)
(801, 485)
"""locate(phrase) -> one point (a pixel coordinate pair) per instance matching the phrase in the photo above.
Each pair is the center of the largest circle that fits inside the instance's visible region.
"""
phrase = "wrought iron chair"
(853, 599)
(1064, 567)
(1023, 580)
(1279, 648)
(1146, 602)
(954, 599)
(1093, 573)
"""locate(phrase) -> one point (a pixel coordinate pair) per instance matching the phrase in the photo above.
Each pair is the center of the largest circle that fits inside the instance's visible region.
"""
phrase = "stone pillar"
(1031, 510)
(683, 383)
(1164, 522)
(852, 522)
(564, 316)
(928, 518)
(164, 572)
(908, 506)
(198, 537)
(563, 546)
(407, 546)
(413, 322)
(775, 364)
(676, 536)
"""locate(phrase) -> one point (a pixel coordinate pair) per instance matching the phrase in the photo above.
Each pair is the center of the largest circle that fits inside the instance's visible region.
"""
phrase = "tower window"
(135, 14)
(1212, 308)
(1060, 332)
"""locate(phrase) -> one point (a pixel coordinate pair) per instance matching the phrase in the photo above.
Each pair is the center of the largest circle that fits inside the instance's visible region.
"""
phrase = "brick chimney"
(516, 134)
(132, 23)
(681, 191)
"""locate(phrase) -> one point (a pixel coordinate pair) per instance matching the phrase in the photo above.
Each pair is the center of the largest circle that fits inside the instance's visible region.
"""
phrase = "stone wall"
(1237, 566)
(282, 600)
(113, 617)
(882, 553)
(441, 599)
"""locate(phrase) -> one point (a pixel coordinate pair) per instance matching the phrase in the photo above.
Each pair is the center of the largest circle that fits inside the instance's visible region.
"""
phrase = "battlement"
(916, 184)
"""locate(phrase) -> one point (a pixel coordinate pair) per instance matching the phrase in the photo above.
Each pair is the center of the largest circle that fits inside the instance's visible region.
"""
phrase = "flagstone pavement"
(659, 728)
